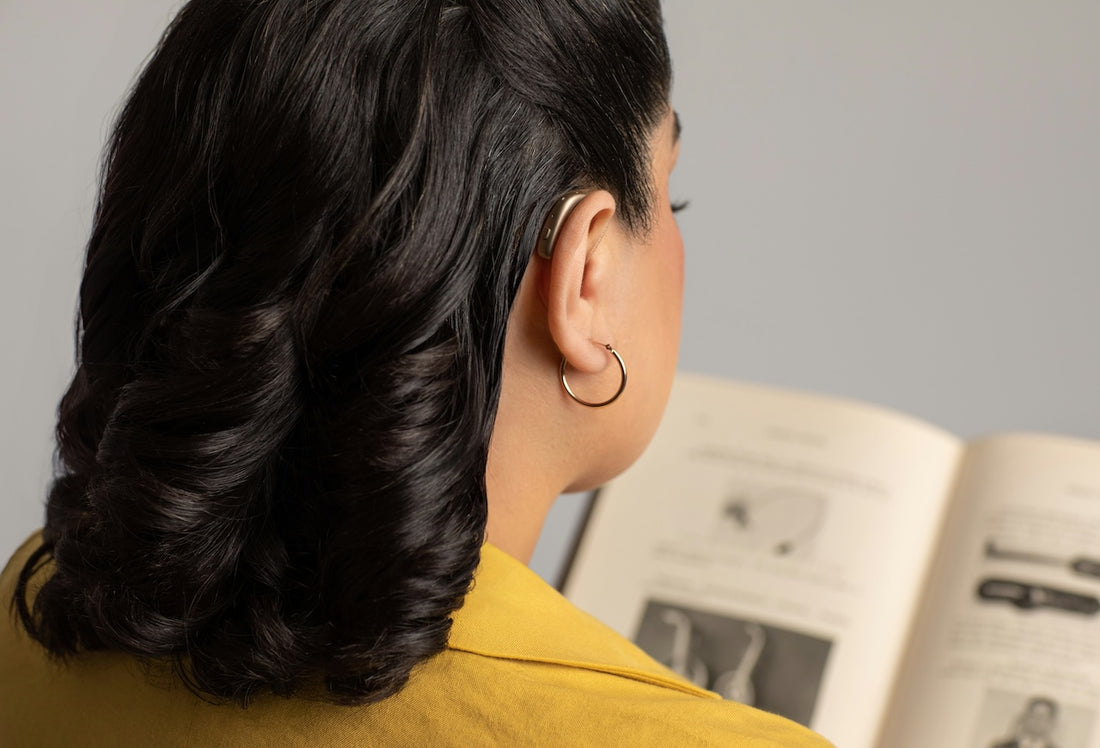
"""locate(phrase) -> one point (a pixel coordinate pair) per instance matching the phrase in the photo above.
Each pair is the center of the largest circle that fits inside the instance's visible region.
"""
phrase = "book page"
(770, 546)
(1007, 650)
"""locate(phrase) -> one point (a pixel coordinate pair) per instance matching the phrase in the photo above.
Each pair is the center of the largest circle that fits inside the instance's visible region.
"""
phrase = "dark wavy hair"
(313, 219)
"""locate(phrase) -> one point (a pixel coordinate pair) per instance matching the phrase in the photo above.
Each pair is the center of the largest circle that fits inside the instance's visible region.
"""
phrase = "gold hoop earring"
(613, 398)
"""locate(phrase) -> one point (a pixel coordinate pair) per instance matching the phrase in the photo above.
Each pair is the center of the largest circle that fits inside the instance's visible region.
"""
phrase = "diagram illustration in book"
(1028, 596)
(780, 520)
(1082, 565)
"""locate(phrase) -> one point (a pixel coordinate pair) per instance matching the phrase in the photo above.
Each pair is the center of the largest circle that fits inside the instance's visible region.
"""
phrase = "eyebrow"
(676, 127)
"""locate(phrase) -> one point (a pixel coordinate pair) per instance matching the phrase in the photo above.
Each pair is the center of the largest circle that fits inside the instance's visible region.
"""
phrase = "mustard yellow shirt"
(524, 667)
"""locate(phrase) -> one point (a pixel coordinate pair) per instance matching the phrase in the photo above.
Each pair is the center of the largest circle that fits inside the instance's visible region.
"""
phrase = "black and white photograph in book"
(1036, 720)
(743, 660)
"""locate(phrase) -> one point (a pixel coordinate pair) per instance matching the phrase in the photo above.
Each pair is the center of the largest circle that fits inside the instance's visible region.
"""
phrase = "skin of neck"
(523, 477)
(543, 443)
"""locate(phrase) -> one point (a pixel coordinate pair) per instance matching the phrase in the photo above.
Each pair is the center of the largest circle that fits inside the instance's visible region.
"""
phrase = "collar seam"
(622, 671)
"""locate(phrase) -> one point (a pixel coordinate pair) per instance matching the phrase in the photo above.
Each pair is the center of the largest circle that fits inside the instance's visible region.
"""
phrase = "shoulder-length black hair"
(313, 220)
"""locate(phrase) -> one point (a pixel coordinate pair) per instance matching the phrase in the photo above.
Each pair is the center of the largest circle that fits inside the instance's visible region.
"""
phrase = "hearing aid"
(548, 235)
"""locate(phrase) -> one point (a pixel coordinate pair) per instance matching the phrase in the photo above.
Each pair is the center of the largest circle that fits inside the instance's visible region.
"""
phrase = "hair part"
(313, 220)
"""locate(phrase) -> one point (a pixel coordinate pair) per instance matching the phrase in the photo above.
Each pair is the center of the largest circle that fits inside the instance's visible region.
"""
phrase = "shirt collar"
(511, 613)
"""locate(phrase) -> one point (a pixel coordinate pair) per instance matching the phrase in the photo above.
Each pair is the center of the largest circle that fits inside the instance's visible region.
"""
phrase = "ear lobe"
(577, 291)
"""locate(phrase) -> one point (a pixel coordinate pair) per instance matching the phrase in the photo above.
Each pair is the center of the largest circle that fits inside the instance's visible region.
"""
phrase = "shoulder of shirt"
(512, 616)
(523, 667)
(511, 613)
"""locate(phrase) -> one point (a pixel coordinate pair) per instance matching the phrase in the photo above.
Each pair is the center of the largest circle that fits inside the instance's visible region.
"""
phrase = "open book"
(857, 570)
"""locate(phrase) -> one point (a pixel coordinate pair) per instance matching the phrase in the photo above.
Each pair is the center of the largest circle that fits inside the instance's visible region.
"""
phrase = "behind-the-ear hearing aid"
(561, 210)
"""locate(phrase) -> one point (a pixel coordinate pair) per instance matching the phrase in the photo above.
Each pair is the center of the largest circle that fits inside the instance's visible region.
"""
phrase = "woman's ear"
(576, 287)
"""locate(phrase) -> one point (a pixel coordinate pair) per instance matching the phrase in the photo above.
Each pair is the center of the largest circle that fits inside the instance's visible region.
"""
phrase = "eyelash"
(680, 205)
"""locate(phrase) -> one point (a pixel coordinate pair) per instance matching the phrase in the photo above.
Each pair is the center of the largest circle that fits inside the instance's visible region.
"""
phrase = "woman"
(320, 385)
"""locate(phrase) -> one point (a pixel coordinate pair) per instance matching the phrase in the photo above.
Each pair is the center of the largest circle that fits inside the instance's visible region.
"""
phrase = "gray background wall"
(893, 202)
